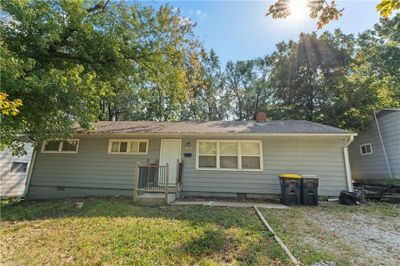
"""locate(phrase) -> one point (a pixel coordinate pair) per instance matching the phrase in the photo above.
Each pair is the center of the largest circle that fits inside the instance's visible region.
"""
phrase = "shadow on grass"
(123, 207)
(220, 234)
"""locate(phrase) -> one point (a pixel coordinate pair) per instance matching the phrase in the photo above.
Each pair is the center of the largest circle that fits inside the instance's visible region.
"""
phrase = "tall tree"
(306, 75)
(335, 78)
(240, 78)
(209, 101)
(68, 60)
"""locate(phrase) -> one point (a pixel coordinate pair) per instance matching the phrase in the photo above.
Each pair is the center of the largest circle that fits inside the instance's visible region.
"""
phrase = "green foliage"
(209, 99)
(72, 62)
(247, 85)
(335, 78)
(75, 62)
(323, 11)
(326, 11)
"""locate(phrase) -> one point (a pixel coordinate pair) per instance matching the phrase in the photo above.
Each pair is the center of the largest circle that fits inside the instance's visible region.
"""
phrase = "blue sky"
(239, 30)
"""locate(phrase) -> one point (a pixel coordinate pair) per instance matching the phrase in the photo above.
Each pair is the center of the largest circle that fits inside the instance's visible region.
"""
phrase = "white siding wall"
(12, 184)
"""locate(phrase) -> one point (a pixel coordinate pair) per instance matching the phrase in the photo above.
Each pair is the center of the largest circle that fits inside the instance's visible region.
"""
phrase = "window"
(19, 167)
(229, 155)
(250, 155)
(128, 146)
(366, 149)
(57, 146)
(207, 155)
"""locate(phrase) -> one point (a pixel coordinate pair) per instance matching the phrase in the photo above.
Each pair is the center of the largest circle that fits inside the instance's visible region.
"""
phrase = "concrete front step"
(154, 199)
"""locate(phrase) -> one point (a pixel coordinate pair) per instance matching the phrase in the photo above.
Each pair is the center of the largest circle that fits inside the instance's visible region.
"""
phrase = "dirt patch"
(334, 234)
(230, 199)
(377, 238)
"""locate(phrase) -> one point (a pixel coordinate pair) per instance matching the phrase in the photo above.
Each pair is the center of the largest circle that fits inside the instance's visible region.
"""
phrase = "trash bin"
(309, 190)
(290, 189)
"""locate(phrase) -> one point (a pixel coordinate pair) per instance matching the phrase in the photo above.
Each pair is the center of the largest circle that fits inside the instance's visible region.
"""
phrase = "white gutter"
(383, 146)
(28, 178)
(347, 163)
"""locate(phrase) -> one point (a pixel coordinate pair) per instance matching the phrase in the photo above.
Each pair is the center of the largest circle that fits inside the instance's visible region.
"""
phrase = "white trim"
(180, 147)
(60, 145)
(239, 155)
(365, 145)
(383, 146)
(30, 170)
(170, 182)
(129, 141)
(347, 164)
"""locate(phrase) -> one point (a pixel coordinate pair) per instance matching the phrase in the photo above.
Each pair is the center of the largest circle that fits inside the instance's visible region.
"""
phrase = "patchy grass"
(312, 240)
(113, 231)
(372, 207)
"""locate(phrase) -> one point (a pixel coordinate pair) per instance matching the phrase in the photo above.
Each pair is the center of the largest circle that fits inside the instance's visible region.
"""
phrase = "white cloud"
(200, 14)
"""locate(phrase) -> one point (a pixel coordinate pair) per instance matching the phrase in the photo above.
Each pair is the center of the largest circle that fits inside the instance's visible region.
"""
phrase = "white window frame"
(239, 155)
(110, 141)
(60, 145)
(365, 145)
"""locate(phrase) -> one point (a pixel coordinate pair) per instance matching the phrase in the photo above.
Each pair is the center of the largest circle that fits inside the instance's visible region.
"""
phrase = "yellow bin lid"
(287, 175)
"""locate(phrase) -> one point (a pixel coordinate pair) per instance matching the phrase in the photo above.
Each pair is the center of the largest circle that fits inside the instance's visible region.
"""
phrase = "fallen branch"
(280, 242)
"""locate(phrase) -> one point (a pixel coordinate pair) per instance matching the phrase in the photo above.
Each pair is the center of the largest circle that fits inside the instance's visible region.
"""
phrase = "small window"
(69, 146)
(19, 167)
(366, 149)
(52, 146)
(57, 146)
(127, 146)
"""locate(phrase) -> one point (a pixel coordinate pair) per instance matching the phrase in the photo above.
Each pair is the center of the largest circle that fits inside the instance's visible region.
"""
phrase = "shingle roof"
(385, 111)
(192, 127)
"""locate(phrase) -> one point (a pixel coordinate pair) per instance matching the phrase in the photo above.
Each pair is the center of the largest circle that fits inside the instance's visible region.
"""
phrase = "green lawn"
(113, 231)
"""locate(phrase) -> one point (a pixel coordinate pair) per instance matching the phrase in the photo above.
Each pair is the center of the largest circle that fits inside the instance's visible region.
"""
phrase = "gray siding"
(12, 184)
(373, 166)
(304, 155)
(94, 172)
(91, 167)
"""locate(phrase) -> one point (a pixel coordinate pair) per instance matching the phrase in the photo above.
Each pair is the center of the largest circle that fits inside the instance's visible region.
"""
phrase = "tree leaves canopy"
(68, 60)
(327, 10)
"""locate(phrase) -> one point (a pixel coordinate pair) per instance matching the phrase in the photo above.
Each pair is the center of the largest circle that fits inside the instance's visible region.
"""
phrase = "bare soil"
(376, 238)
(341, 235)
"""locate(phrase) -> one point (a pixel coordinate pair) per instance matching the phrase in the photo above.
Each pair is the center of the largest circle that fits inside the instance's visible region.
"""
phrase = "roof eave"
(344, 134)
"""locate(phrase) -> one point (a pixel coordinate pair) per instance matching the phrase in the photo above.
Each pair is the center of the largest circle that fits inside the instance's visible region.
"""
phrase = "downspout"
(28, 178)
(347, 163)
(383, 146)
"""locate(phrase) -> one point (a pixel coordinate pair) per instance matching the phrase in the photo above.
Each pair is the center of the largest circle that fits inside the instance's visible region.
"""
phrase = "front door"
(170, 152)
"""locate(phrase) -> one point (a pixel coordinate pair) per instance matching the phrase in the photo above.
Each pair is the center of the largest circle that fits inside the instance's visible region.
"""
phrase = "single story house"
(13, 172)
(215, 158)
(375, 152)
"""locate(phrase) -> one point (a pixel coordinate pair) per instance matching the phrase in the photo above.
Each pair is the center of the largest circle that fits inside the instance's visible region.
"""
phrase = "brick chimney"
(261, 117)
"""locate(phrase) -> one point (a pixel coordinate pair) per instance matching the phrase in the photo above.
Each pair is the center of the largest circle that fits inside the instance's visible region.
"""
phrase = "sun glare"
(298, 9)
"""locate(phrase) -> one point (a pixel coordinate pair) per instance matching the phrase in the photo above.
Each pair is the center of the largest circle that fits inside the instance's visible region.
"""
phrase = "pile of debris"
(378, 191)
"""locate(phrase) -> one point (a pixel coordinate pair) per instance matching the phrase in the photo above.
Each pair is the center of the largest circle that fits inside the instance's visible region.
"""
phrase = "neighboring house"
(367, 153)
(13, 172)
(206, 158)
